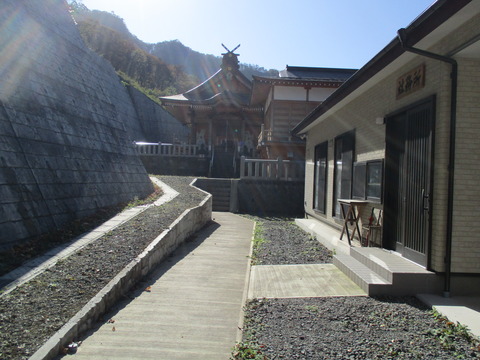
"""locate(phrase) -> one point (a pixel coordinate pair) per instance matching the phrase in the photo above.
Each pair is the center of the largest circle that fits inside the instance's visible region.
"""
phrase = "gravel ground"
(33, 312)
(310, 328)
(285, 243)
(340, 327)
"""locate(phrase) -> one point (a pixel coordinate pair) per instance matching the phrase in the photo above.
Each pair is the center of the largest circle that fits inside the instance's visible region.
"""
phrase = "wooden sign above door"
(411, 81)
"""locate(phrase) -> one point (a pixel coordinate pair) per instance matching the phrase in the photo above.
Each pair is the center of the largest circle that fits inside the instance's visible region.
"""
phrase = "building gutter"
(402, 36)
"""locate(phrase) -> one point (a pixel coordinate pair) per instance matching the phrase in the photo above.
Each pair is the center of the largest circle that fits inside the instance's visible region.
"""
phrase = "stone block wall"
(66, 124)
(157, 124)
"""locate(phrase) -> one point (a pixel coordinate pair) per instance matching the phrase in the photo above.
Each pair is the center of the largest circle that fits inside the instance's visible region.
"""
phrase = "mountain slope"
(107, 35)
(102, 26)
(200, 65)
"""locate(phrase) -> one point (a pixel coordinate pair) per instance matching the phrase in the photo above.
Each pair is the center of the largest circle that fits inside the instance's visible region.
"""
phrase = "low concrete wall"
(175, 165)
(270, 197)
(186, 225)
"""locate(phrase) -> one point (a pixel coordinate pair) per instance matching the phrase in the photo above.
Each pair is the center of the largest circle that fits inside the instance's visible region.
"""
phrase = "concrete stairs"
(221, 192)
(223, 163)
(381, 272)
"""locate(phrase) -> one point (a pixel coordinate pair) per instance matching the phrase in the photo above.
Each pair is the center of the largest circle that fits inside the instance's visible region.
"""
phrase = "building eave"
(418, 30)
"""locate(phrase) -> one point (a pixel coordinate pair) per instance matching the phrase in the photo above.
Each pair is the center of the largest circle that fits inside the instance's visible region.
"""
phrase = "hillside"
(195, 63)
(108, 36)
(163, 68)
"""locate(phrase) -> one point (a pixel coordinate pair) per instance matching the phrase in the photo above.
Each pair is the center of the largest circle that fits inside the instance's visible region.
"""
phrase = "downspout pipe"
(402, 36)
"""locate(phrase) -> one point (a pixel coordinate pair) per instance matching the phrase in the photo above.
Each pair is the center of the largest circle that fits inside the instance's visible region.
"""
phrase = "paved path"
(193, 305)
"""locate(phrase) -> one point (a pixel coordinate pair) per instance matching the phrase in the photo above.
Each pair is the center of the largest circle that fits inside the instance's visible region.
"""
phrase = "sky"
(271, 34)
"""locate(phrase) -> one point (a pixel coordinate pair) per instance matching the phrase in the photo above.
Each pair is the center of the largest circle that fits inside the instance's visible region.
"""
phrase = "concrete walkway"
(191, 307)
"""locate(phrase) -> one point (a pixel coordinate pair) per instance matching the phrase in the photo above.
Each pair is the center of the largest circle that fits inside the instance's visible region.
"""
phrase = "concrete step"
(367, 279)
(374, 261)
(220, 190)
(369, 267)
(220, 206)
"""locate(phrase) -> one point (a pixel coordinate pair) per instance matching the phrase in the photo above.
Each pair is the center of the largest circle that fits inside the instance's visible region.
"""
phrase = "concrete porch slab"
(326, 235)
(289, 281)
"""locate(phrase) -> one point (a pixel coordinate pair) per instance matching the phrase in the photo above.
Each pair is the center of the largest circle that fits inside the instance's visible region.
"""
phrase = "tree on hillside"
(164, 68)
(145, 69)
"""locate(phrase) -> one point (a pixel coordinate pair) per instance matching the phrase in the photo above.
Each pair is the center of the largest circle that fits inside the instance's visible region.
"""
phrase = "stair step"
(373, 262)
(387, 264)
(367, 279)
(220, 190)
(380, 272)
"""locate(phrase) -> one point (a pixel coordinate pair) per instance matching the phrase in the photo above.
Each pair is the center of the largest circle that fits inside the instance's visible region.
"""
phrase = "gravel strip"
(285, 243)
(33, 312)
(340, 327)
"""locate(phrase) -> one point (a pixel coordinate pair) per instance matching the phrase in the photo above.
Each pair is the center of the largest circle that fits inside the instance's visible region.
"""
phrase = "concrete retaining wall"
(67, 124)
(157, 124)
(186, 225)
(270, 197)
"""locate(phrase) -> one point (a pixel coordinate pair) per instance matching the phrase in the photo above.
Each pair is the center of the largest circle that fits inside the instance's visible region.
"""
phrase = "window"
(367, 180)
(320, 182)
(359, 178)
(343, 167)
(374, 180)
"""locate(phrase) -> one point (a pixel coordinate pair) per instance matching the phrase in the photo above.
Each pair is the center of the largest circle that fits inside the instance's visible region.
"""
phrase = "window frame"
(361, 176)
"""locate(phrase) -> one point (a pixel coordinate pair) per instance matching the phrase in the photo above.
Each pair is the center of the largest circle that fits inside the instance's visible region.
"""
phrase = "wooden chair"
(372, 232)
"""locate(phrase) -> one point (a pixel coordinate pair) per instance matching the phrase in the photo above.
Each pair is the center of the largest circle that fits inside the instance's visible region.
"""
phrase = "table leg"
(344, 221)
(350, 212)
(357, 217)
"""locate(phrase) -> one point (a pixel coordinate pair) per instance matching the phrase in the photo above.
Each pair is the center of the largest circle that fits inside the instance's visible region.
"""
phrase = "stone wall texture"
(157, 124)
(66, 124)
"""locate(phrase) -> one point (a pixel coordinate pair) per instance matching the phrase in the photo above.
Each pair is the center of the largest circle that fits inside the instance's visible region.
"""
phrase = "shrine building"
(222, 122)
(230, 116)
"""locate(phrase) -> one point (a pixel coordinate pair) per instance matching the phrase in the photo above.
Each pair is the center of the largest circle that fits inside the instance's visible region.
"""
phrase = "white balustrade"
(161, 149)
(271, 169)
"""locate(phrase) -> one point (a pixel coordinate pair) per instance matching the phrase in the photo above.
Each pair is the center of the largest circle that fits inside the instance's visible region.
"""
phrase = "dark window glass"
(368, 180)
(320, 183)
(343, 169)
(359, 177)
(374, 180)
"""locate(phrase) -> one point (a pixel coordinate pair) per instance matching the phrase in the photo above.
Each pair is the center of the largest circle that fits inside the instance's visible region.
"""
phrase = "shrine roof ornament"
(230, 59)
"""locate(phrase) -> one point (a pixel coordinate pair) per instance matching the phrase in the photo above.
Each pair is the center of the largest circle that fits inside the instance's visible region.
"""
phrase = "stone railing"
(161, 149)
(261, 169)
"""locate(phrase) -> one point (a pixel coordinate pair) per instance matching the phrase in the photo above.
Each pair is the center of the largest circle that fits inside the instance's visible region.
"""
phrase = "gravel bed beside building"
(309, 328)
(33, 312)
(341, 327)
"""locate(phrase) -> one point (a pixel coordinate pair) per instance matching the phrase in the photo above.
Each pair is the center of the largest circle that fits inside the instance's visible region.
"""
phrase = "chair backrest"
(377, 217)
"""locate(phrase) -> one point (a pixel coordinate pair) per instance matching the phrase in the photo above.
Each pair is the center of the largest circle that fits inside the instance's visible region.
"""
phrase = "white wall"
(320, 94)
(290, 93)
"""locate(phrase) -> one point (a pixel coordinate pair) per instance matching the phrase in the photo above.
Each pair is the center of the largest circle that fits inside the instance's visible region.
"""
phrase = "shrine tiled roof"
(314, 73)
